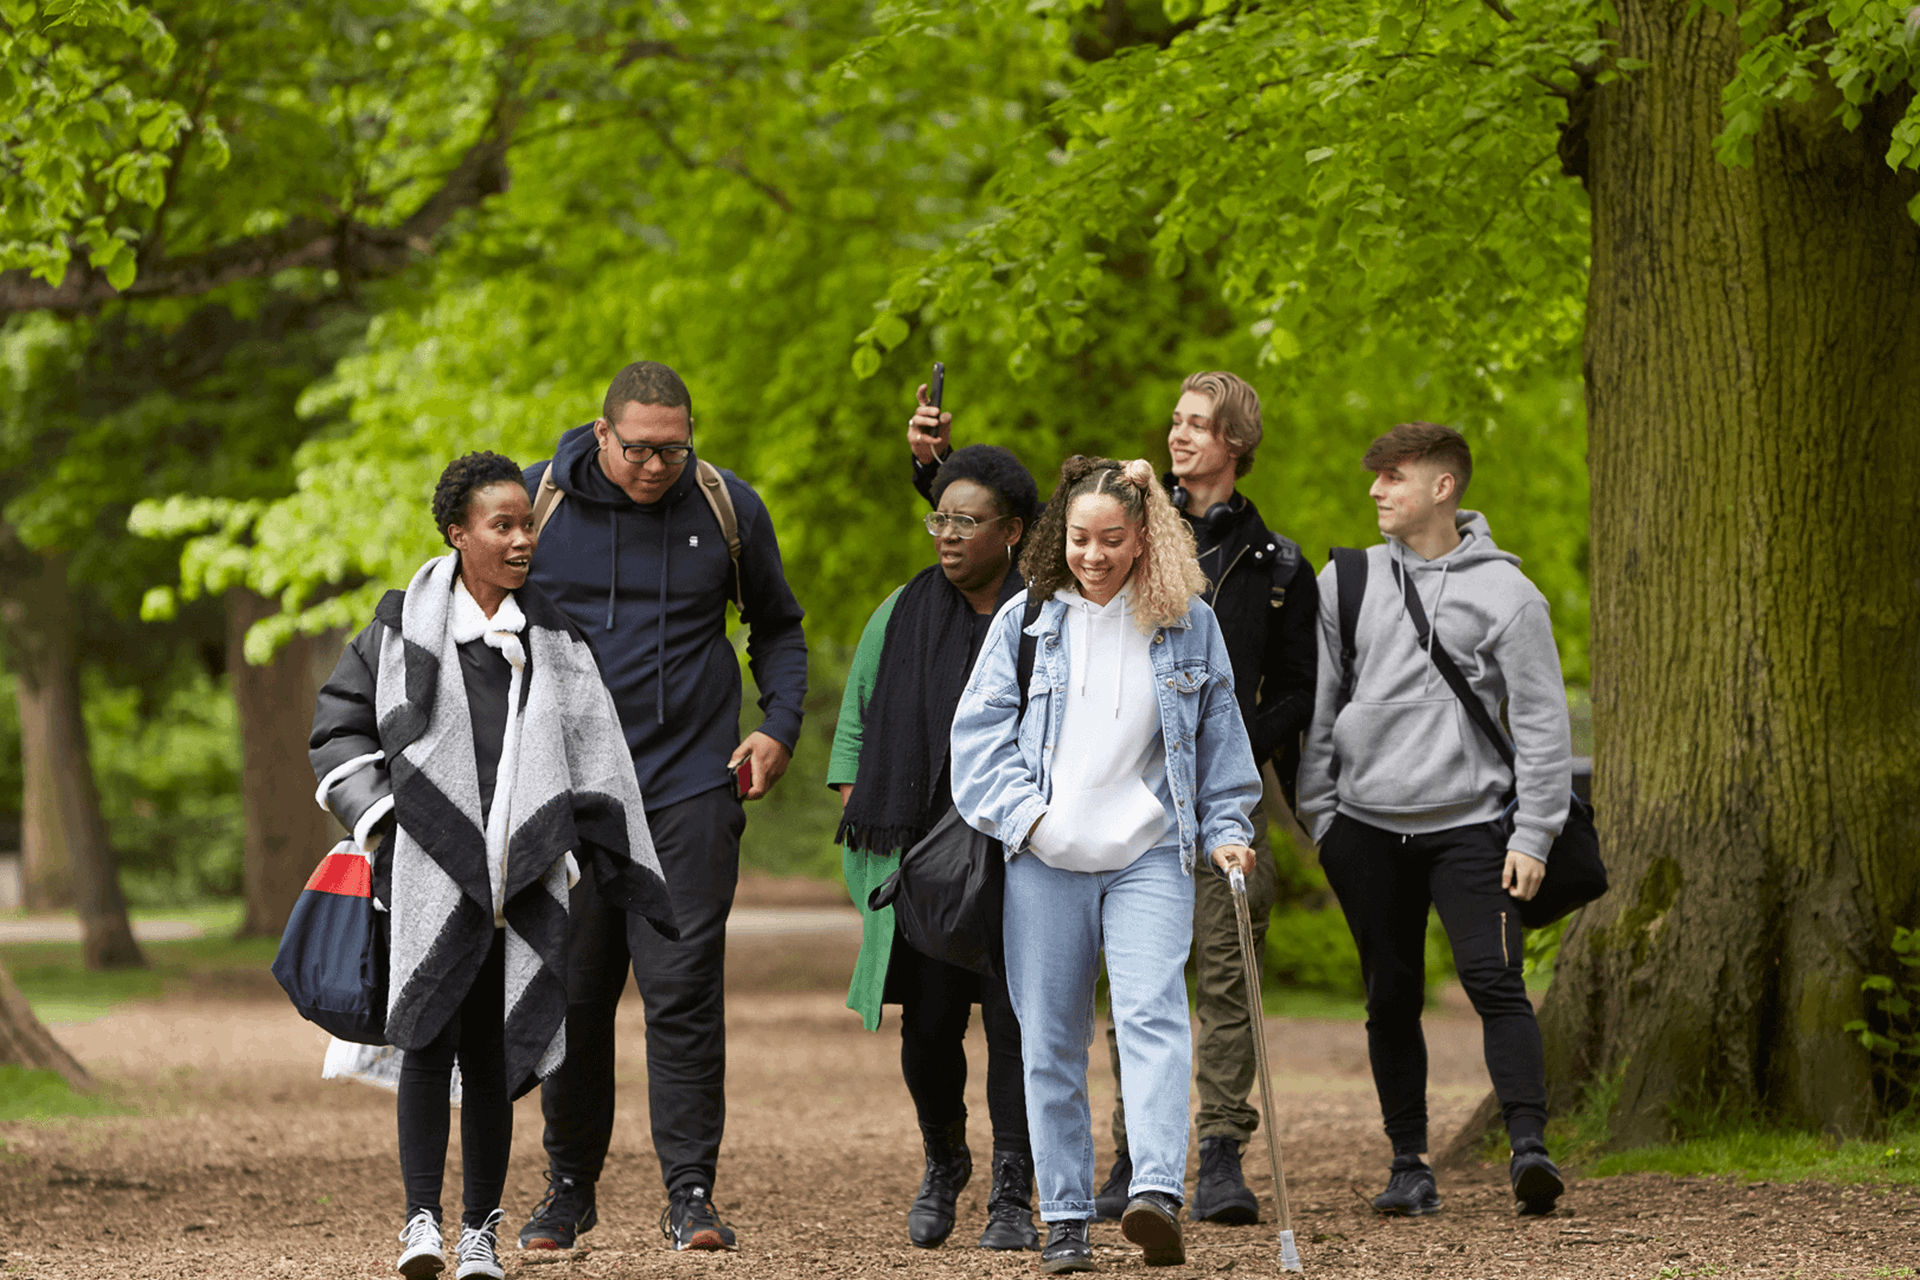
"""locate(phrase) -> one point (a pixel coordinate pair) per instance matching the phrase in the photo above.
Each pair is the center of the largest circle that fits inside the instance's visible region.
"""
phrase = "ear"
(1019, 528)
(601, 429)
(1446, 487)
(457, 535)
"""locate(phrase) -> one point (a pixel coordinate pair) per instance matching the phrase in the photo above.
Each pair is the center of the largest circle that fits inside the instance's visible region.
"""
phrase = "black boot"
(1010, 1207)
(1110, 1201)
(1220, 1193)
(949, 1166)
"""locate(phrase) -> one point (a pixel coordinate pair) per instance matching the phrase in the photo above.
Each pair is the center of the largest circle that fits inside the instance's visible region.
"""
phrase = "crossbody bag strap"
(1455, 678)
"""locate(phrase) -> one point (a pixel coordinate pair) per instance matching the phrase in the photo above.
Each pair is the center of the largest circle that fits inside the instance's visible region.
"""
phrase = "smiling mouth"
(519, 562)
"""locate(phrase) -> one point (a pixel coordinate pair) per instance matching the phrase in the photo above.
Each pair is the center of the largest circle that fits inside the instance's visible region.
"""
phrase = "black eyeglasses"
(939, 522)
(671, 454)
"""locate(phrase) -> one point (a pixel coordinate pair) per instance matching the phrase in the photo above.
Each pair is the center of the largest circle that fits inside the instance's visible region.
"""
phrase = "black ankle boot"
(1010, 1207)
(949, 1166)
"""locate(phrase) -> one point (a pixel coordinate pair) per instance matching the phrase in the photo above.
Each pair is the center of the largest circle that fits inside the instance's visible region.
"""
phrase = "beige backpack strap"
(713, 487)
(545, 500)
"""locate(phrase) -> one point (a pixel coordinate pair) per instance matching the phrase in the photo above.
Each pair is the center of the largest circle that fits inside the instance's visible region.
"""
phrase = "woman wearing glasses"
(890, 765)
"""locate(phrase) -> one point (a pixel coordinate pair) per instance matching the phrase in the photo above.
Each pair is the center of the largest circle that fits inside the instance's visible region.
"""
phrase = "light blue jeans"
(1057, 922)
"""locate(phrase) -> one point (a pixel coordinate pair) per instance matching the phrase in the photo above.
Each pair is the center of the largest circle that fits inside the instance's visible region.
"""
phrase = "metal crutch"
(1289, 1256)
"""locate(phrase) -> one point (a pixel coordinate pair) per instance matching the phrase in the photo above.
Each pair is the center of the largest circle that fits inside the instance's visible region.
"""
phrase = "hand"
(770, 760)
(1229, 856)
(1523, 875)
(846, 794)
(929, 431)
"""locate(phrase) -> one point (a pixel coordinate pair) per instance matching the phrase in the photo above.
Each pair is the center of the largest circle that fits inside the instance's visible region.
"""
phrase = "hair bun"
(1139, 471)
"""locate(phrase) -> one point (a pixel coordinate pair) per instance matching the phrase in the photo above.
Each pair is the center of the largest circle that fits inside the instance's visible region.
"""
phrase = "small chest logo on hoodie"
(693, 539)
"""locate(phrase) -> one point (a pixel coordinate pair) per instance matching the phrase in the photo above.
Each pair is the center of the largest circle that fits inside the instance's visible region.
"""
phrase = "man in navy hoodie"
(635, 554)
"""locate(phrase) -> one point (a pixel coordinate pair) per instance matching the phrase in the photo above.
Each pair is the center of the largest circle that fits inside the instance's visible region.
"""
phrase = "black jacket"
(649, 585)
(1264, 592)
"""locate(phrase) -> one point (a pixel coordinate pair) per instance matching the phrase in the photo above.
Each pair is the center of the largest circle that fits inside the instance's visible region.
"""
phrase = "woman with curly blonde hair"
(1128, 759)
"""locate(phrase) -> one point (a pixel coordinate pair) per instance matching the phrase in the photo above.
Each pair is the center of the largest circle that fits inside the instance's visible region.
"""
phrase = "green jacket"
(864, 871)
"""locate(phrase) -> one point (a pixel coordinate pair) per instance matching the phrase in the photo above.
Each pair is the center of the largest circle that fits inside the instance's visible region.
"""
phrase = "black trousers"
(473, 1034)
(681, 983)
(1385, 883)
(936, 1001)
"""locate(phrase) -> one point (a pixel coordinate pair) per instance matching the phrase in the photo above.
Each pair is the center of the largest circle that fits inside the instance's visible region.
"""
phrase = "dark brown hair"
(1424, 442)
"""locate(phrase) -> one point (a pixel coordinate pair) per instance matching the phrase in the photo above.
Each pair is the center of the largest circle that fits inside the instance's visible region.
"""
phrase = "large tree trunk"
(63, 837)
(1753, 373)
(286, 833)
(26, 1042)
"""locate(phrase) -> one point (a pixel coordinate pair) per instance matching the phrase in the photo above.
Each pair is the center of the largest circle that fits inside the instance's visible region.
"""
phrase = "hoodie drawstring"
(1119, 654)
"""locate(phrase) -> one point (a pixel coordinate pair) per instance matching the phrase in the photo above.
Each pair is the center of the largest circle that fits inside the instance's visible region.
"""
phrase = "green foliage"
(42, 1095)
(790, 830)
(85, 134)
(1757, 1152)
(1311, 949)
(170, 789)
(1893, 1038)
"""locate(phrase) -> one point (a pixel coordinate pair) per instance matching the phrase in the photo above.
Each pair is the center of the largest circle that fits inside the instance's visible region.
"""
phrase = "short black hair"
(1000, 473)
(462, 477)
(646, 382)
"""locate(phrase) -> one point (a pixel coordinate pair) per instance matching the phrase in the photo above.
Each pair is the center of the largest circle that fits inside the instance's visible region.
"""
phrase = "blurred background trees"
(265, 274)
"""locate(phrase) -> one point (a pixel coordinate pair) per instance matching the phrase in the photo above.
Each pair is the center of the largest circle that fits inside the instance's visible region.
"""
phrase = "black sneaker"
(1152, 1221)
(1220, 1192)
(1068, 1248)
(1536, 1180)
(1110, 1201)
(689, 1222)
(1410, 1189)
(563, 1214)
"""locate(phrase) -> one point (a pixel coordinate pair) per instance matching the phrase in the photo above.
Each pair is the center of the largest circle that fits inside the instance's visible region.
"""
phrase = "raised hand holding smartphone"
(930, 431)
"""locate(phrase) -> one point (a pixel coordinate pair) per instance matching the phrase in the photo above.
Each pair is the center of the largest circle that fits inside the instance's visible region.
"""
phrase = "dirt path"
(242, 1163)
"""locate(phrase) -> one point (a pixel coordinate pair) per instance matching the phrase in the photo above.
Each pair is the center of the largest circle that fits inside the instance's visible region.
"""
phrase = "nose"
(1375, 490)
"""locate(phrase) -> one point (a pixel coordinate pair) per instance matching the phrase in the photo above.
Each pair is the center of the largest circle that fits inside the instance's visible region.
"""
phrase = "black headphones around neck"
(1215, 514)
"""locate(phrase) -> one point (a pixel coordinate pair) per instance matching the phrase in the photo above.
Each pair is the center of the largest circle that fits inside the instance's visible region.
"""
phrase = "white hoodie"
(1110, 800)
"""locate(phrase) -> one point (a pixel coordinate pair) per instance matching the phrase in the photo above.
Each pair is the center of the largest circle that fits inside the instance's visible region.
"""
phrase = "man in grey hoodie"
(1408, 800)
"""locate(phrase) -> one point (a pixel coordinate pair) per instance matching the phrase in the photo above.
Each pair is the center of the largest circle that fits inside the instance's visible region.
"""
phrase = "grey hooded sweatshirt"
(1402, 755)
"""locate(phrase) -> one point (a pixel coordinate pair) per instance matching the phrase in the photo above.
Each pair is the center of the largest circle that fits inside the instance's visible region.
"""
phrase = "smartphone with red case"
(742, 777)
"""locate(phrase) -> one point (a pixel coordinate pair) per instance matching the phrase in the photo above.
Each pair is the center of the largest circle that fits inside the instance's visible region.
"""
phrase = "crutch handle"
(1237, 880)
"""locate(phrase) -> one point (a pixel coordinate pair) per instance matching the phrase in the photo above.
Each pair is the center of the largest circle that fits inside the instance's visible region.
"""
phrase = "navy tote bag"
(333, 956)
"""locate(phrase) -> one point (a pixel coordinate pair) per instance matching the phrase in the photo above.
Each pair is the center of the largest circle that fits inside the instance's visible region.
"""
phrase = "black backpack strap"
(1023, 665)
(1455, 678)
(1350, 573)
(1285, 562)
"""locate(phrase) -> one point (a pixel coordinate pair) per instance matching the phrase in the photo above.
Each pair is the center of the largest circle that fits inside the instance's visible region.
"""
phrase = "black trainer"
(949, 1169)
(565, 1213)
(1536, 1180)
(1068, 1248)
(1410, 1189)
(1152, 1221)
(1220, 1193)
(1110, 1201)
(1010, 1206)
(689, 1222)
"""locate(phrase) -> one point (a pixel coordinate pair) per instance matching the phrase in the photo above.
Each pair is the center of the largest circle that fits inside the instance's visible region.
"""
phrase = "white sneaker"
(479, 1251)
(422, 1256)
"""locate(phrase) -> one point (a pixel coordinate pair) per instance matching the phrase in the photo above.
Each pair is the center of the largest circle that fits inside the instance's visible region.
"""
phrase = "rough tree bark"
(26, 1042)
(1753, 372)
(62, 826)
(285, 831)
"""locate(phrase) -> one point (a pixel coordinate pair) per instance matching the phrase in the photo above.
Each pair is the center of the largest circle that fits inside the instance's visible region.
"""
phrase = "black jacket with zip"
(649, 585)
(1264, 592)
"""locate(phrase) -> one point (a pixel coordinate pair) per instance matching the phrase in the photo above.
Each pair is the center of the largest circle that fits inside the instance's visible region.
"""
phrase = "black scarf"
(923, 670)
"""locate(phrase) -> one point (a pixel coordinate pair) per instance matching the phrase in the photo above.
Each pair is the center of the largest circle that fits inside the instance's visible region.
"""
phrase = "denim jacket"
(1002, 764)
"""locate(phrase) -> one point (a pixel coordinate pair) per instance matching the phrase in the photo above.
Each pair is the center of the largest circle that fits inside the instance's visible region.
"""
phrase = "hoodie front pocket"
(1403, 757)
